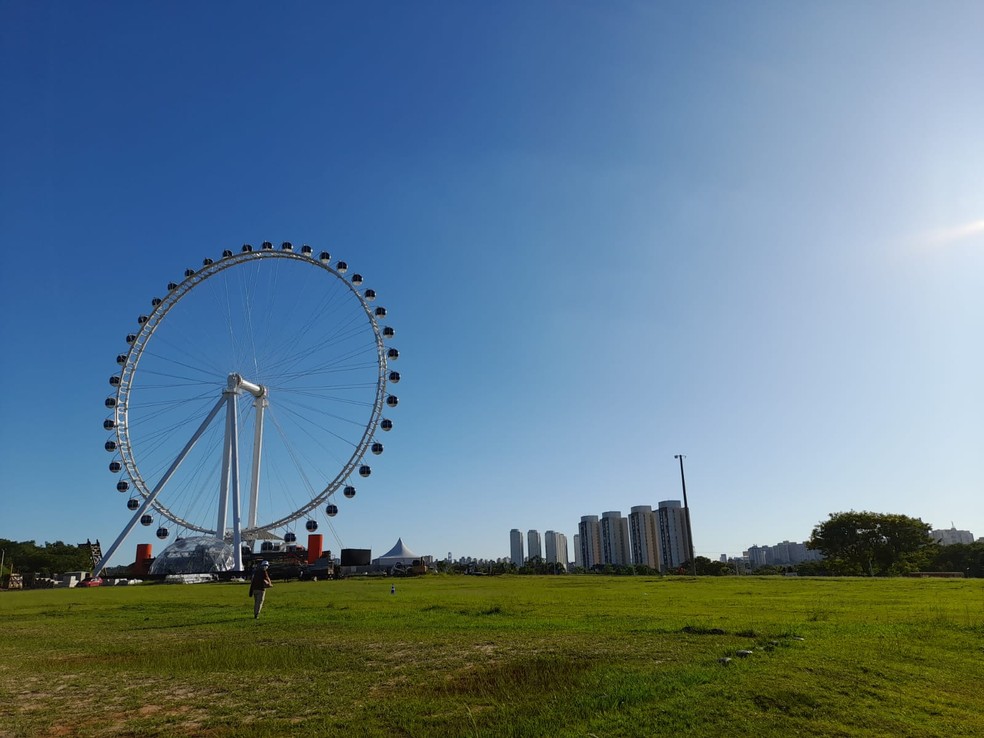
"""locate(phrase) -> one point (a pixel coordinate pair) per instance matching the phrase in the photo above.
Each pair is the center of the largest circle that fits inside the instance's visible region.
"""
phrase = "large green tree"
(872, 544)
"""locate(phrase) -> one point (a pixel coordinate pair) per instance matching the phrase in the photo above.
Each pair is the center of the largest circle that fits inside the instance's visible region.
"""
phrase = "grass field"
(502, 656)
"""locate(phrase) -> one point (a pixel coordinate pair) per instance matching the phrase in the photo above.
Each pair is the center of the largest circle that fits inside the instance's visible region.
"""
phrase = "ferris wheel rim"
(149, 325)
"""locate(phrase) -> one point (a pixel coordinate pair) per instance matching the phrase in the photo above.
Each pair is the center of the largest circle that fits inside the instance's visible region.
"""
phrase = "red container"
(145, 554)
(315, 542)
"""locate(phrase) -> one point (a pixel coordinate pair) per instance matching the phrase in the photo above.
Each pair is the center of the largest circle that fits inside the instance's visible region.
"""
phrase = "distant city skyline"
(657, 539)
(672, 543)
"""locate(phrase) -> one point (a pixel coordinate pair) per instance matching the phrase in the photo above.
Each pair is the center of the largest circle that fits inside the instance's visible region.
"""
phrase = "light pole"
(686, 511)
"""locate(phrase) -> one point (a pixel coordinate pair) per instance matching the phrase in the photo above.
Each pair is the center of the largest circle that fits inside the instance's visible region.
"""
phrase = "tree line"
(51, 558)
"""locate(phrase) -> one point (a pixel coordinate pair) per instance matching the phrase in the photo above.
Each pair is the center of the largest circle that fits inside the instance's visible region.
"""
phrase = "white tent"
(399, 554)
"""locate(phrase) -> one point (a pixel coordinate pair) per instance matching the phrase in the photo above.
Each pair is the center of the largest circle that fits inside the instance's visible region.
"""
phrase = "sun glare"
(948, 236)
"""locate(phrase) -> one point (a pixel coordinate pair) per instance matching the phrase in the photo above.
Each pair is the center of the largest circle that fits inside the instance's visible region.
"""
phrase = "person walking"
(258, 586)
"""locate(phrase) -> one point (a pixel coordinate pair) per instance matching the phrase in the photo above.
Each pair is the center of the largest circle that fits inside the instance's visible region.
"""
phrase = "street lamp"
(686, 510)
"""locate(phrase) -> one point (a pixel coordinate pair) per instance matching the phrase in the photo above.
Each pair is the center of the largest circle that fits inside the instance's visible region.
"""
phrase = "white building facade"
(952, 536)
(534, 548)
(589, 530)
(644, 536)
(615, 548)
(555, 547)
(516, 547)
(674, 543)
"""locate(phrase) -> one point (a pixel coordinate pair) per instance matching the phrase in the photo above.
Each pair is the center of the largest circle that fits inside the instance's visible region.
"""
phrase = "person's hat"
(265, 564)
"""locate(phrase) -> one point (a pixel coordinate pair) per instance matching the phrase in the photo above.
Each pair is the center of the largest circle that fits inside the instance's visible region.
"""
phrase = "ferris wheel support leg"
(229, 396)
(237, 535)
(260, 403)
(149, 500)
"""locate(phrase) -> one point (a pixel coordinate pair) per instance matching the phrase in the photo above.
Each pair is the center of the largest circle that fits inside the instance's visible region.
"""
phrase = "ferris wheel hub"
(236, 383)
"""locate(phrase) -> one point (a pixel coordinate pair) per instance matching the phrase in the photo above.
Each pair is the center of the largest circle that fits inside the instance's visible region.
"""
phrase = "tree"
(767, 571)
(965, 557)
(813, 568)
(52, 558)
(706, 567)
(871, 544)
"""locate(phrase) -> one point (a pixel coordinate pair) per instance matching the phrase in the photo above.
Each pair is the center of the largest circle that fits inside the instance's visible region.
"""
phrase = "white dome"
(199, 555)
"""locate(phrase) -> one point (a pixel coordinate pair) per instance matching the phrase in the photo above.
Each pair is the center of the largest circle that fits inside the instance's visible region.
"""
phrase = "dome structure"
(196, 555)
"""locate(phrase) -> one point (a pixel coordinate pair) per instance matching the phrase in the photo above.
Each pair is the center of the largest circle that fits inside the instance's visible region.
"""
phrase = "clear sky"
(606, 233)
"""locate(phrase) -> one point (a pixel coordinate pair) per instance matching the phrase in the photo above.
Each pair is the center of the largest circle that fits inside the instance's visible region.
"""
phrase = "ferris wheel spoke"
(325, 313)
(250, 294)
(196, 356)
(161, 453)
(149, 422)
(331, 397)
(343, 362)
(319, 391)
(304, 424)
(296, 409)
(247, 313)
(311, 351)
(193, 498)
(323, 380)
(179, 380)
(208, 375)
(296, 457)
(198, 400)
(335, 367)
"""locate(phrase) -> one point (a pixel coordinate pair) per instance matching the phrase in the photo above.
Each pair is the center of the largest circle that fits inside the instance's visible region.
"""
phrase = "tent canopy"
(399, 552)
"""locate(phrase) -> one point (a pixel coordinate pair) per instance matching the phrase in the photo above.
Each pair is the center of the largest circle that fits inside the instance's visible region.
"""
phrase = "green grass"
(503, 656)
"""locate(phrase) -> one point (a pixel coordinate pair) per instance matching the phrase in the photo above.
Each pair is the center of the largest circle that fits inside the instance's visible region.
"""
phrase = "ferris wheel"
(278, 351)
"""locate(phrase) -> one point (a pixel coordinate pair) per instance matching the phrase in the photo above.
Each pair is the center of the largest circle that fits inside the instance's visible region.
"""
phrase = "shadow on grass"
(702, 630)
(507, 679)
(150, 625)
(789, 702)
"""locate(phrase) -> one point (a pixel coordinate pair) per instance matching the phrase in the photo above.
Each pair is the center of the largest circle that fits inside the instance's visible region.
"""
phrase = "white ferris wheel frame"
(229, 488)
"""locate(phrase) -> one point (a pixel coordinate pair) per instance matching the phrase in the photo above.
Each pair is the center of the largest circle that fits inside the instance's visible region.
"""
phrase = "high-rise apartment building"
(516, 547)
(674, 544)
(555, 547)
(578, 561)
(758, 556)
(550, 546)
(615, 539)
(590, 531)
(534, 548)
(644, 536)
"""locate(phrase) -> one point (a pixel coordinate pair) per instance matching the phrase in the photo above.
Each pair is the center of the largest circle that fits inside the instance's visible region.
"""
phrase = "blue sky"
(606, 233)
